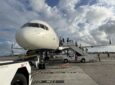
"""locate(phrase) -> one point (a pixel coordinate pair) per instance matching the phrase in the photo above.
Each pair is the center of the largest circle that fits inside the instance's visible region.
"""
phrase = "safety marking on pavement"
(58, 72)
(47, 81)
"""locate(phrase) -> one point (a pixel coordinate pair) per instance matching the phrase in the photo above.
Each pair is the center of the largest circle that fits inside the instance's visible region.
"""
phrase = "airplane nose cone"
(25, 37)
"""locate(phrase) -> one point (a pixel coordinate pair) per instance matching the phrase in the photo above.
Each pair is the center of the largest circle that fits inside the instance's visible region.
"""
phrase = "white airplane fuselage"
(37, 35)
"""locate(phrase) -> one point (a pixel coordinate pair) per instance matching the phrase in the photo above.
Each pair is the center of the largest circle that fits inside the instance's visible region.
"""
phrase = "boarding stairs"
(79, 50)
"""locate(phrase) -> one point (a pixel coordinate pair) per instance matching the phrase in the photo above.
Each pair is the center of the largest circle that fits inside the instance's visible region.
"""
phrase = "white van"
(86, 58)
(68, 55)
(64, 58)
(82, 59)
(65, 55)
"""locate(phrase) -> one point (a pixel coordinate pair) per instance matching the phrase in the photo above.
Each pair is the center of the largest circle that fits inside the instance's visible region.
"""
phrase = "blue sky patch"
(52, 2)
(85, 2)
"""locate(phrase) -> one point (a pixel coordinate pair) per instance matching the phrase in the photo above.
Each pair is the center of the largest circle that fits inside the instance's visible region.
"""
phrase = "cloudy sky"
(86, 21)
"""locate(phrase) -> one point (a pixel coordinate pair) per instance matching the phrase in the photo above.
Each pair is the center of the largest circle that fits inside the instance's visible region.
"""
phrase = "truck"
(15, 72)
(74, 58)
(70, 54)
(86, 58)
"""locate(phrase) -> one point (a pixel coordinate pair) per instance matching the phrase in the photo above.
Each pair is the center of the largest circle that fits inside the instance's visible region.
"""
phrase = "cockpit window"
(31, 25)
(43, 26)
(35, 25)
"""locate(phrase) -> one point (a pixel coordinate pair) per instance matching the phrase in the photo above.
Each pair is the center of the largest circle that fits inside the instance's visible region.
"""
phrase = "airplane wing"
(95, 46)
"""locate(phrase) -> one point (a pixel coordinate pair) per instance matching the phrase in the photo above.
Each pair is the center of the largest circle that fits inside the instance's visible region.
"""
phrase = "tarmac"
(94, 73)
(58, 73)
(62, 74)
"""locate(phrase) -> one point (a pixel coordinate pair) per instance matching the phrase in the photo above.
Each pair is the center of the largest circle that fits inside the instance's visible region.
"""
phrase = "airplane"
(37, 37)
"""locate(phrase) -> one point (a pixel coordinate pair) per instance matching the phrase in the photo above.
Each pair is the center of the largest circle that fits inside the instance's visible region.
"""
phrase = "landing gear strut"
(38, 62)
(41, 64)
